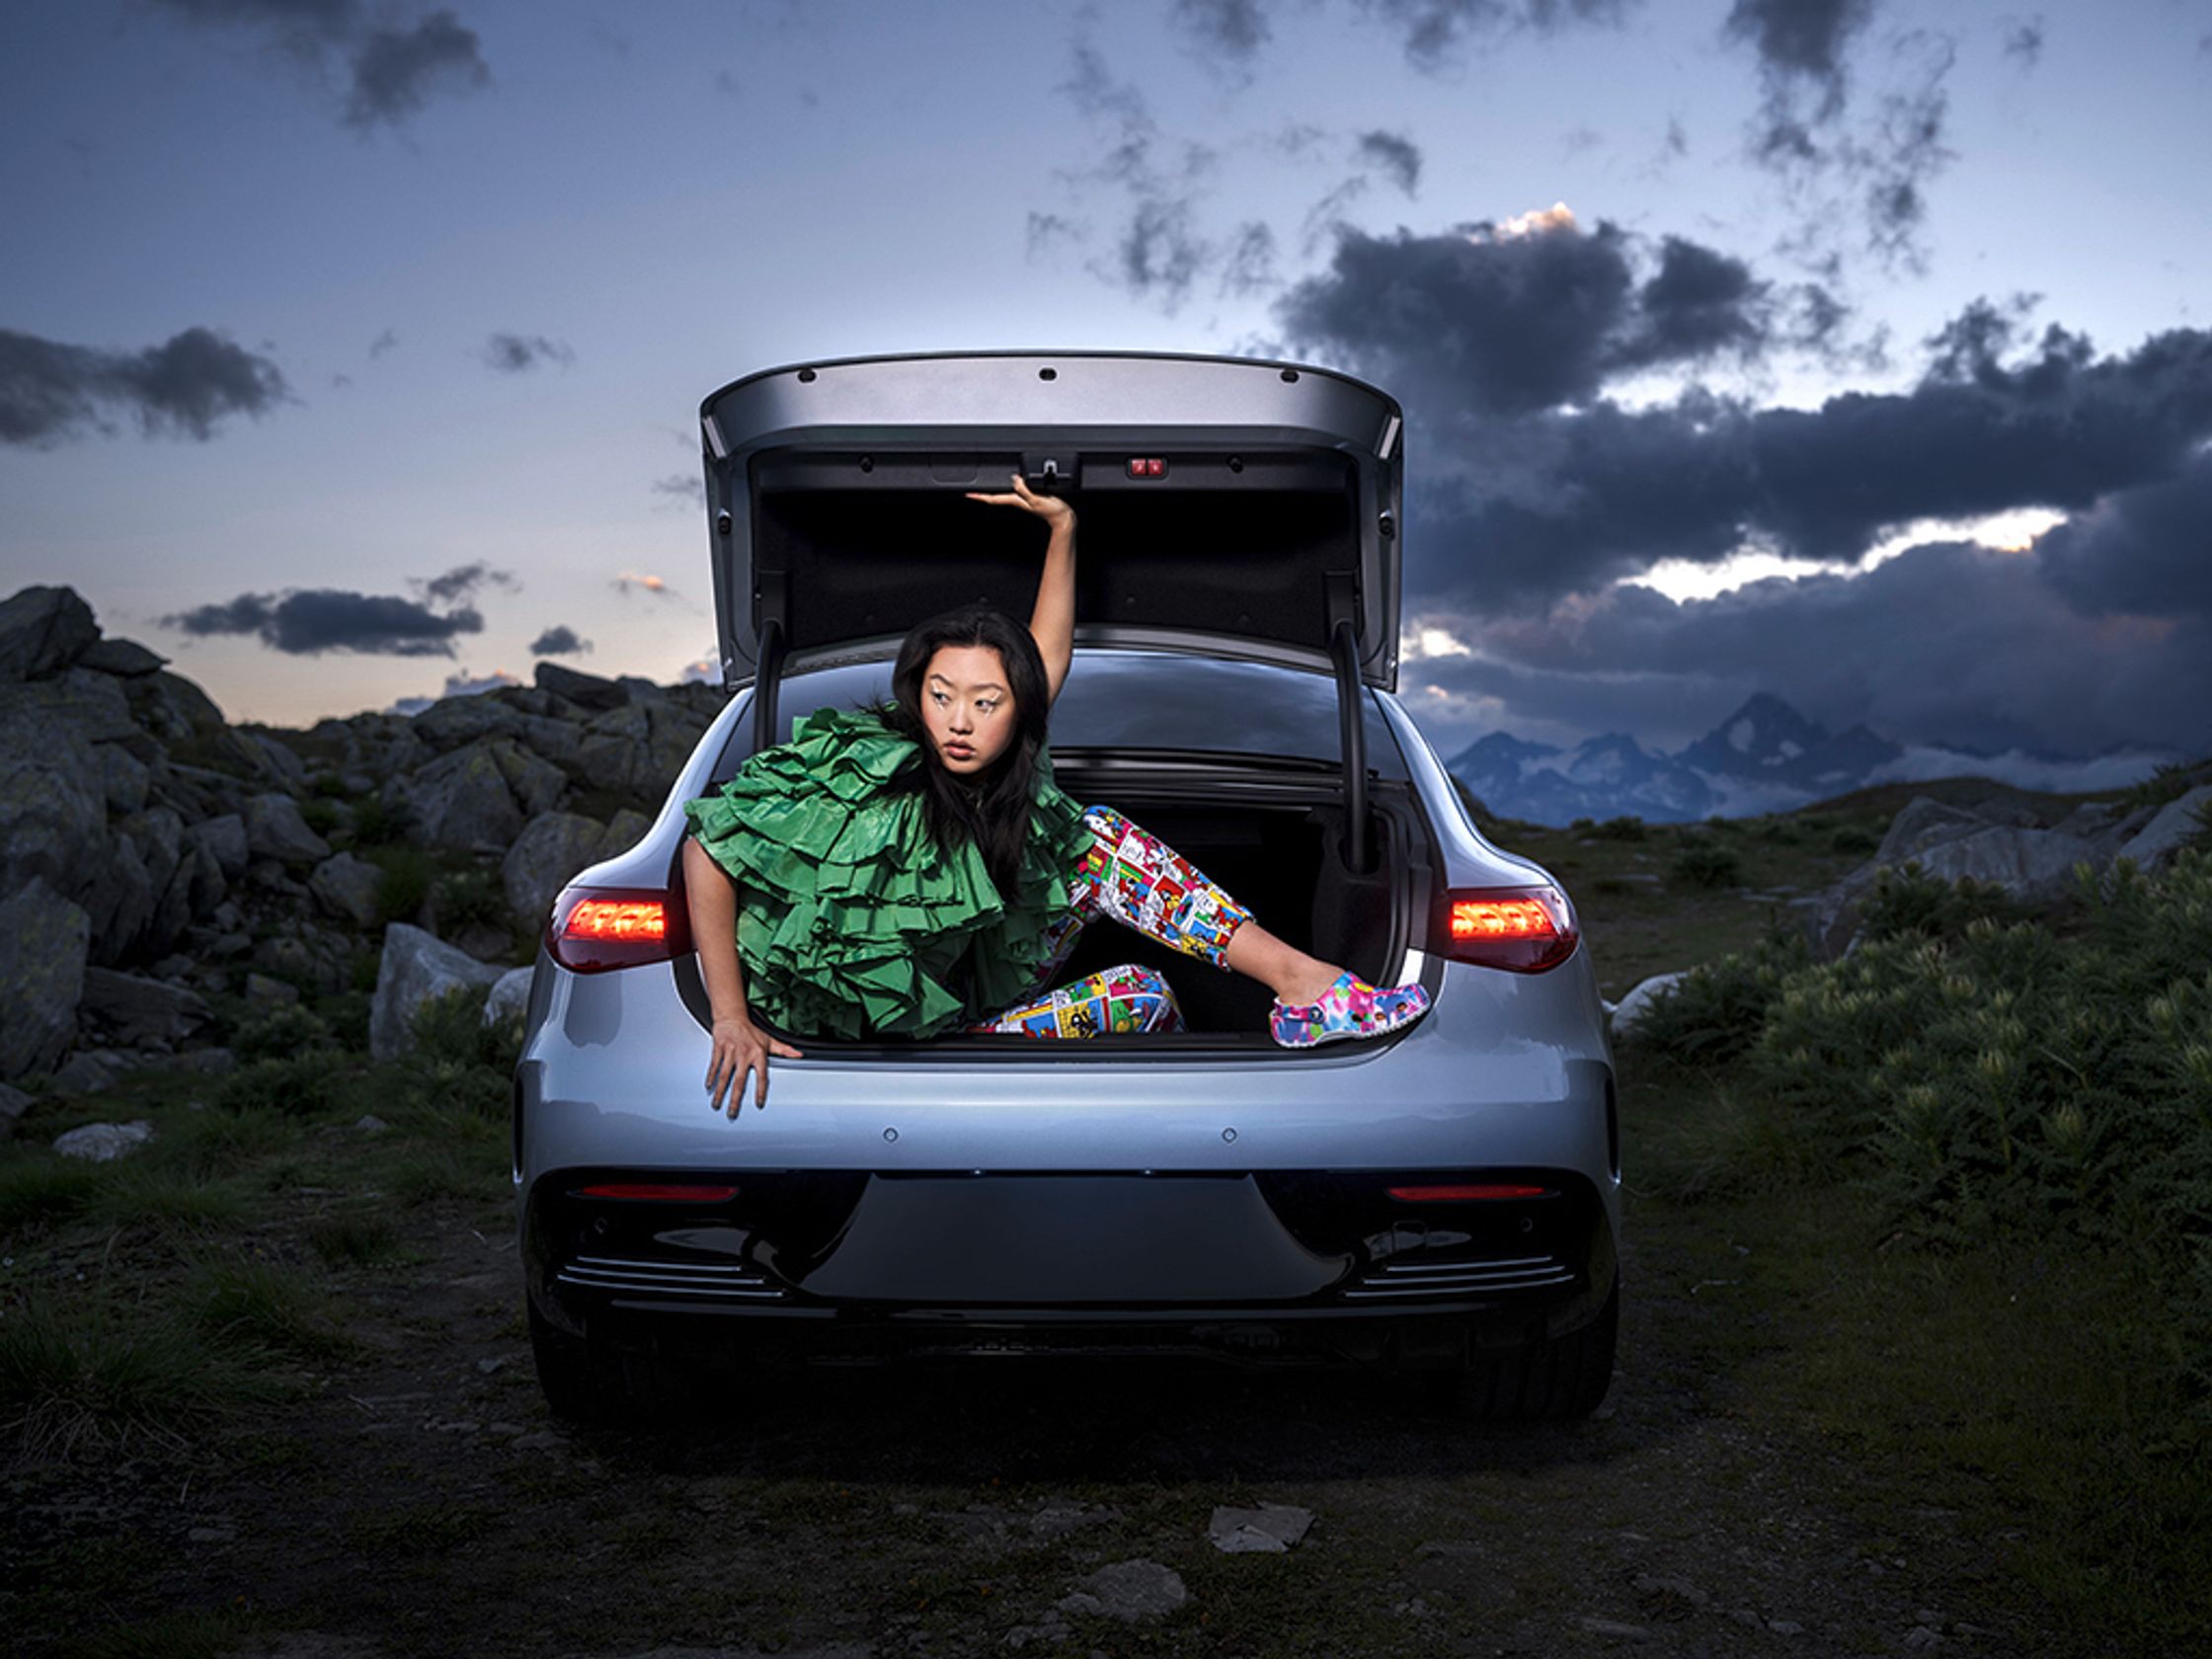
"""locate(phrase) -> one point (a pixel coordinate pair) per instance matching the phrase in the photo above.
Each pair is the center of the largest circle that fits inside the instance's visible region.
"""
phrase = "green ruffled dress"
(850, 923)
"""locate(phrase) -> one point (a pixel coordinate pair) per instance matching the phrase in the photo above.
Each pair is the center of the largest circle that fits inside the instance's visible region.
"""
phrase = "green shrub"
(298, 1087)
(1854, 840)
(278, 1033)
(1621, 830)
(1910, 902)
(260, 1307)
(376, 825)
(1583, 824)
(1718, 1011)
(90, 1376)
(405, 882)
(355, 1238)
(468, 898)
(1700, 864)
(38, 1191)
(321, 816)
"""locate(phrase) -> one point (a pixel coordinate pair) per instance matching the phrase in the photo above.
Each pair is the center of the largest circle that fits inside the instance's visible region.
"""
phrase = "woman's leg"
(1122, 999)
(1139, 880)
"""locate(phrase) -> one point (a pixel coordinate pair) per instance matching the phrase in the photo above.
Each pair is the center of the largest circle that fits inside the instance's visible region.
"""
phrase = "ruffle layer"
(850, 923)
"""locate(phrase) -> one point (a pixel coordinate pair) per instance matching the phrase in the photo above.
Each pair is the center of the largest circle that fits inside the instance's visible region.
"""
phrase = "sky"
(1851, 350)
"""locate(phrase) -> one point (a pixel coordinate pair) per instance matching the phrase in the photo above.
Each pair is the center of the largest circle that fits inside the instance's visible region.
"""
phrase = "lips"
(959, 752)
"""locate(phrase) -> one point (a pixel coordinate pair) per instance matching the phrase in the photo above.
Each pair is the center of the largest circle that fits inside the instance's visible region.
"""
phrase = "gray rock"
(176, 711)
(137, 1010)
(1269, 1529)
(624, 830)
(53, 822)
(1631, 1009)
(103, 1142)
(92, 705)
(2176, 824)
(586, 692)
(275, 829)
(510, 995)
(88, 1073)
(454, 722)
(536, 784)
(461, 800)
(416, 968)
(347, 886)
(1131, 1591)
(269, 993)
(125, 779)
(43, 630)
(225, 841)
(311, 957)
(2034, 864)
(554, 739)
(13, 1104)
(43, 940)
(276, 761)
(1922, 822)
(124, 659)
(368, 1123)
(549, 851)
(638, 751)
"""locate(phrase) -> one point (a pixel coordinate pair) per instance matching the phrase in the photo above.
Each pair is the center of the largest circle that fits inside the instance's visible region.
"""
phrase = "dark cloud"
(388, 341)
(1435, 33)
(1392, 153)
(1231, 28)
(50, 391)
(2144, 552)
(462, 582)
(1947, 643)
(2024, 42)
(391, 66)
(307, 622)
(681, 488)
(1250, 266)
(514, 354)
(395, 70)
(560, 640)
(1514, 319)
(1801, 42)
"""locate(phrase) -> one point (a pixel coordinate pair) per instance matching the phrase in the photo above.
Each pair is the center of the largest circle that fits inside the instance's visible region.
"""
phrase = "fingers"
(785, 1050)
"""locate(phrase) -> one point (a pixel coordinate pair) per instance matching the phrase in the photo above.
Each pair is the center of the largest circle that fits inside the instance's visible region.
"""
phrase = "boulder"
(510, 995)
(556, 741)
(137, 1011)
(586, 692)
(43, 630)
(275, 829)
(136, 906)
(125, 779)
(549, 851)
(13, 1104)
(416, 968)
(1631, 1009)
(2174, 826)
(224, 837)
(124, 659)
(269, 993)
(347, 886)
(536, 784)
(53, 822)
(2031, 864)
(103, 1142)
(638, 751)
(452, 722)
(1923, 823)
(624, 830)
(174, 709)
(312, 958)
(277, 761)
(88, 1073)
(91, 705)
(1131, 1591)
(44, 939)
(460, 800)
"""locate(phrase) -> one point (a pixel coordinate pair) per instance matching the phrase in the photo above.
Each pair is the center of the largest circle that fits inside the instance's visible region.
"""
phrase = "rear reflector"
(592, 930)
(1522, 929)
(1463, 1194)
(658, 1191)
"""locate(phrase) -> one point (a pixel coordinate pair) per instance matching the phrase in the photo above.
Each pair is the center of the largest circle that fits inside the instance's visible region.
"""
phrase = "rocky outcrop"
(43, 630)
(43, 940)
(2169, 830)
(552, 849)
(347, 887)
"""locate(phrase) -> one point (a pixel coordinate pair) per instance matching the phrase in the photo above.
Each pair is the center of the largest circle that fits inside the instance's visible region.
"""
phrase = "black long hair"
(990, 809)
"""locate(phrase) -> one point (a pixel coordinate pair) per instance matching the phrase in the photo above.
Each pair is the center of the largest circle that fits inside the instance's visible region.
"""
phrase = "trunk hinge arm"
(769, 599)
(1344, 648)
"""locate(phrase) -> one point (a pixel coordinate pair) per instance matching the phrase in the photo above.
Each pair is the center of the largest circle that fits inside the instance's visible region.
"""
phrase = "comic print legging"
(1142, 882)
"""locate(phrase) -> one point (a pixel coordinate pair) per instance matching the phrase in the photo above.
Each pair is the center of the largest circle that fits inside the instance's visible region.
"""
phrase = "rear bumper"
(1263, 1265)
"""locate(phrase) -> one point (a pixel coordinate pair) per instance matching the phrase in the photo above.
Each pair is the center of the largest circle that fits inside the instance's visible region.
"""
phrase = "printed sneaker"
(1349, 1008)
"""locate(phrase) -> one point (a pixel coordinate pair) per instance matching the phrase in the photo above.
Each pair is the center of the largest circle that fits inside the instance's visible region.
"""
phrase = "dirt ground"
(423, 1502)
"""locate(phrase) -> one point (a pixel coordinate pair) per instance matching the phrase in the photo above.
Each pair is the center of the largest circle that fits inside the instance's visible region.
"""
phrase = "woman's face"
(967, 707)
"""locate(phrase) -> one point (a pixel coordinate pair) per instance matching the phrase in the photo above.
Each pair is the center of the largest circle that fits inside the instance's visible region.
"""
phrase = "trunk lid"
(838, 518)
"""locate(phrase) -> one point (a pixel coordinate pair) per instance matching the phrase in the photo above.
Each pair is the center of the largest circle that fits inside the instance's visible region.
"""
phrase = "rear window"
(1132, 701)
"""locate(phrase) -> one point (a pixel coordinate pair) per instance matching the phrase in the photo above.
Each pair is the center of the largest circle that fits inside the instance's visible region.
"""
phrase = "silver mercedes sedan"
(1444, 1200)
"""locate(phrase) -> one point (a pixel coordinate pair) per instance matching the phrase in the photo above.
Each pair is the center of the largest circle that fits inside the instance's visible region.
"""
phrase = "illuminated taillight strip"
(596, 929)
(1522, 930)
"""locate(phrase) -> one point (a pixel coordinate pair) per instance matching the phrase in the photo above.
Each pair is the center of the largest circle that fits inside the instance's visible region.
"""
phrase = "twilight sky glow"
(1839, 348)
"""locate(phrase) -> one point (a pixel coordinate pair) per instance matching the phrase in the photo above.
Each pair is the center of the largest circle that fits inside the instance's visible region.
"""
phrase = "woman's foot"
(1348, 1008)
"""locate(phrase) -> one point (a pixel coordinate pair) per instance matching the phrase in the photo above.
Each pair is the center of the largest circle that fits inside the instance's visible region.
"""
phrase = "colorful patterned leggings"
(1144, 883)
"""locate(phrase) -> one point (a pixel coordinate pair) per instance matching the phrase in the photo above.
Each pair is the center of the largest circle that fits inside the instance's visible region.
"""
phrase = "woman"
(913, 869)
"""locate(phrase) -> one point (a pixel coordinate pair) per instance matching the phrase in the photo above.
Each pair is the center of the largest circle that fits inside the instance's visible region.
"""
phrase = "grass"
(264, 1306)
(356, 1238)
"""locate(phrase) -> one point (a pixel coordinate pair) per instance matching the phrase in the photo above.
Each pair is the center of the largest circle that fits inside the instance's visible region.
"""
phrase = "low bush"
(1854, 840)
(466, 898)
(407, 873)
(1700, 864)
(88, 1375)
(376, 825)
(1718, 1011)
(302, 1086)
(1908, 903)
(278, 1032)
(1621, 830)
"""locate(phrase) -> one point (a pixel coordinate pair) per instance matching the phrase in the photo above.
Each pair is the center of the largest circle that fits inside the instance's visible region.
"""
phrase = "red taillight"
(1463, 1194)
(596, 928)
(658, 1191)
(1523, 930)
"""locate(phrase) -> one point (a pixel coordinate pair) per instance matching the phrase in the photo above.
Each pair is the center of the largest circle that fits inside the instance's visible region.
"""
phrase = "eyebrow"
(987, 685)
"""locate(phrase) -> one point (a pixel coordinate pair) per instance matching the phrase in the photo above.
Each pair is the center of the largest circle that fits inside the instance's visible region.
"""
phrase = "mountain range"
(1763, 757)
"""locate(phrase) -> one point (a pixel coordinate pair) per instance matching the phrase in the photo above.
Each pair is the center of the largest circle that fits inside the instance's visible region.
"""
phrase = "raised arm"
(741, 1048)
(1053, 621)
